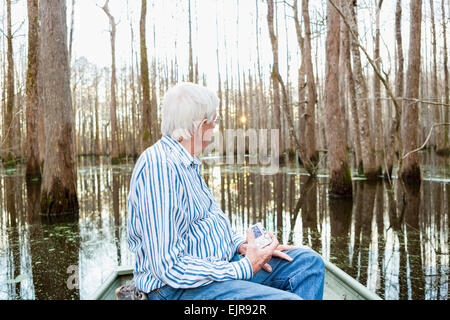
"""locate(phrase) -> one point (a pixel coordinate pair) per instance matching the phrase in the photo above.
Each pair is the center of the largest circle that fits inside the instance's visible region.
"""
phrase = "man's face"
(208, 131)
(203, 136)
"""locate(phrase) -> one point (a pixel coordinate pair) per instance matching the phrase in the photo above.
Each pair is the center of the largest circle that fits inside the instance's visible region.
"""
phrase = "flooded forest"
(350, 99)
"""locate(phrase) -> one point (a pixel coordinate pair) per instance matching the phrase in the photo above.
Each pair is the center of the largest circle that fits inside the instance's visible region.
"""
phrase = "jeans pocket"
(166, 293)
(153, 296)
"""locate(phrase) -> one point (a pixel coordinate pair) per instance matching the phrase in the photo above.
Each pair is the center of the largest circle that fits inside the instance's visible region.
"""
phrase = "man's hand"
(259, 256)
(278, 252)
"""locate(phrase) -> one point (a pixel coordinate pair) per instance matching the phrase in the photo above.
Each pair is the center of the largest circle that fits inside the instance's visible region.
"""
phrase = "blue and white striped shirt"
(175, 227)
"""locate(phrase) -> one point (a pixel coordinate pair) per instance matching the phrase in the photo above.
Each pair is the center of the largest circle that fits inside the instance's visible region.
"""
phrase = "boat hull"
(338, 285)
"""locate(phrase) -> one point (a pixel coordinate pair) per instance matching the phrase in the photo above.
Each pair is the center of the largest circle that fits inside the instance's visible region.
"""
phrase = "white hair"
(184, 107)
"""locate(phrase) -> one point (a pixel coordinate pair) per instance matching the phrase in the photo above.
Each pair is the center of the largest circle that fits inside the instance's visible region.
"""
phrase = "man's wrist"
(242, 249)
(238, 244)
(243, 268)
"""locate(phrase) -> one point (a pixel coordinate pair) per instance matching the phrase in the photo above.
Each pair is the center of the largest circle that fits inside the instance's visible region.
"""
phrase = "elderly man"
(185, 247)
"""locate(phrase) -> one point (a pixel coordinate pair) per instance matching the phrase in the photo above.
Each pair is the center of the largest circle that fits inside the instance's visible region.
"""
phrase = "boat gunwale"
(338, 274)
(347, 280)
(104, 287)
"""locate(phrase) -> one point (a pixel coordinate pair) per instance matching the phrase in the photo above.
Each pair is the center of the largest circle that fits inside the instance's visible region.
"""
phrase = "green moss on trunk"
(146, 136)
(10, 163)
(115, 161)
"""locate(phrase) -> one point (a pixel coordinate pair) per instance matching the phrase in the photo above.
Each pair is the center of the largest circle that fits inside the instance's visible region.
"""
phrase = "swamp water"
(397, 249)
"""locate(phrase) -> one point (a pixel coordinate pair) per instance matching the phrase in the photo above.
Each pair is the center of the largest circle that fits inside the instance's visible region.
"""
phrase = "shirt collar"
(180, 152)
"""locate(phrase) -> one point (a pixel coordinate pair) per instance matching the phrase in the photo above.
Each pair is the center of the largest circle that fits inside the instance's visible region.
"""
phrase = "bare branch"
(427, 139)
(288, 4)
(20, 27)
(427, 102)
(10, 126)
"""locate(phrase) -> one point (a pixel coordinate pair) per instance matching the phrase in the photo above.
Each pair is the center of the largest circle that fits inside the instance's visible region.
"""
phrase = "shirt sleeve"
(237, 240)
(163, 222)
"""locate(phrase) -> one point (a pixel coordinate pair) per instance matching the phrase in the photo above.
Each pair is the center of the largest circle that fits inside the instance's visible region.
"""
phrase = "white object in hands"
(262, 237)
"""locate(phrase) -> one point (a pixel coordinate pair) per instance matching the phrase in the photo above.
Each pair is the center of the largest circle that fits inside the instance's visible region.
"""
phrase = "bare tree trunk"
(83, 138)
(133, 95)
(239, 112)
(59, 180)
(227, 98)
(410, 119)
(310, 118)
(444, 141)
(146, 104)
(74, 107)
(18, 136)
(286, 122)
(133, 113)
(219, 79)
(91, 121)
(352, 95)
(261, 94)
(301, 78)
(72, 22)
(434, 74)
(399, 86)
(96, 109)
(153, 104)
(339, 171)
(3, 106)
(274, 77)
(191, 63)
(368, 154)
(8, 138)
(40, 115)
(32, 144)
(378, 119)
(124, 146)
(114, 151)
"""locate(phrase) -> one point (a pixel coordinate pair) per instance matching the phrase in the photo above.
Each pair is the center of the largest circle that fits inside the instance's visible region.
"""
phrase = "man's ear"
(202, 125)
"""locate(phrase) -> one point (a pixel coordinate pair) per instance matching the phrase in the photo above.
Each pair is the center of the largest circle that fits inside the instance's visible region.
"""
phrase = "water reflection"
(394, 243)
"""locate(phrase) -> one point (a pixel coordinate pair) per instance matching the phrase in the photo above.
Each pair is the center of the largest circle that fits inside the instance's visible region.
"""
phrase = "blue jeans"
(302, 278)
